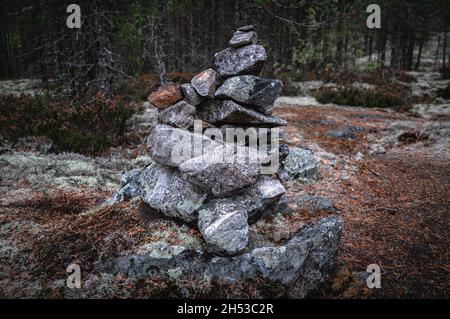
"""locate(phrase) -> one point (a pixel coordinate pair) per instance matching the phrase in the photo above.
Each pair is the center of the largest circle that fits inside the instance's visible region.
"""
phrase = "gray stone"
(223, 224)
(297, 268)
(190, 94)
(180, 115)
(299, 164)
(222, 173)
(223, 221)
(248, 59)
(205, 82)
(171, 146)
(166, 190)
(246, 28)
(252, 91)
(241, 38)
(219, 112)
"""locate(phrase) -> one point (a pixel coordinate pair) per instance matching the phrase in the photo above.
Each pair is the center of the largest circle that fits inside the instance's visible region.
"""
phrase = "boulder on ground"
(166, 190)
(190, 94)
(248, 59)
(297, 268)
(180, 115)
(219, 112)
(205, 82)
(165, 96)
(252, 91)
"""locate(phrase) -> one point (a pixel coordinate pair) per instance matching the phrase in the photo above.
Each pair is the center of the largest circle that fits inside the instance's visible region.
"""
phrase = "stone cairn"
(216, 190)
(221, 191)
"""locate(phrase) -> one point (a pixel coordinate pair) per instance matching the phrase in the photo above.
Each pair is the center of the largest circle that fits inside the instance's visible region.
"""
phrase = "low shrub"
(347, 95)
(84, 126)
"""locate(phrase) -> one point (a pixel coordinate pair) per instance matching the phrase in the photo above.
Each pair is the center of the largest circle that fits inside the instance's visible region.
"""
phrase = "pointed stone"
(180, 115)
(252, 91)
(248, 59)
(205, 83)
(246, 28)
(228, 112)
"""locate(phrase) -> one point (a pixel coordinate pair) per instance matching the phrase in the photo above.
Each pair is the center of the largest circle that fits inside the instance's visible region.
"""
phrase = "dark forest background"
(121, 39)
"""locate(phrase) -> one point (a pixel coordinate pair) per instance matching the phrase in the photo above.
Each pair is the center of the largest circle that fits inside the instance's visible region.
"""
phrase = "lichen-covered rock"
(223, 224)
(223, 173)
(252, 91)
(219, 112)
(171, 146)
(205, 83)
(166, 190)
(297, 268)
(241, 38)
(248, 59)
(180, 115)
(165, 96)
(299, 164)
(190, 94)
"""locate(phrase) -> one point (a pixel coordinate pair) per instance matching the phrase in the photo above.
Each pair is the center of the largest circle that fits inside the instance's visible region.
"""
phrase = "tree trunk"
(159, 42)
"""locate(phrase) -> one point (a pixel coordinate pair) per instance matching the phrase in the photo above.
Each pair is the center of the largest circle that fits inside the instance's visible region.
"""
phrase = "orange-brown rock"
(165, 96)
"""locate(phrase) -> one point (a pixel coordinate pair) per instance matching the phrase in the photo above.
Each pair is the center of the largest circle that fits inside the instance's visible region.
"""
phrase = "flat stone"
(171, 146)
(248, 59)
(241, 38)
(165, 96)
(190, 94)
(205, 82)
(166, 190)
(223, 174)
(223, 221)
(252, 91)
(181, 115)
(220, 112)
(296, 268)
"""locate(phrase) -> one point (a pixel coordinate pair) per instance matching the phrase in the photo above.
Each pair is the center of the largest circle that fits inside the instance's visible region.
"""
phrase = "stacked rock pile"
(217, 189)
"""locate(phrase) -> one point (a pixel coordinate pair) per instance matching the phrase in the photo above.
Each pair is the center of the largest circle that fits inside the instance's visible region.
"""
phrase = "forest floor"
(388, 174)
(394, 201)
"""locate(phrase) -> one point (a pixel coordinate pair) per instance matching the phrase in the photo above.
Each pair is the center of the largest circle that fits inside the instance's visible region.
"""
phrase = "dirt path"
(395, 204)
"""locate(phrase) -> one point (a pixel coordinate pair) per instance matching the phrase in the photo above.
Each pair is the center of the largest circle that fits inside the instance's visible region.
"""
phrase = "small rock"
(241, 38)
(246, 28)
(219, 112)
(312, 204)
(166, 190)
(205, 83)
(171, 146)
(251, 90)
(180, 115)
(190, 94)
(165, 96)
(248, 59)
(300, 163)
